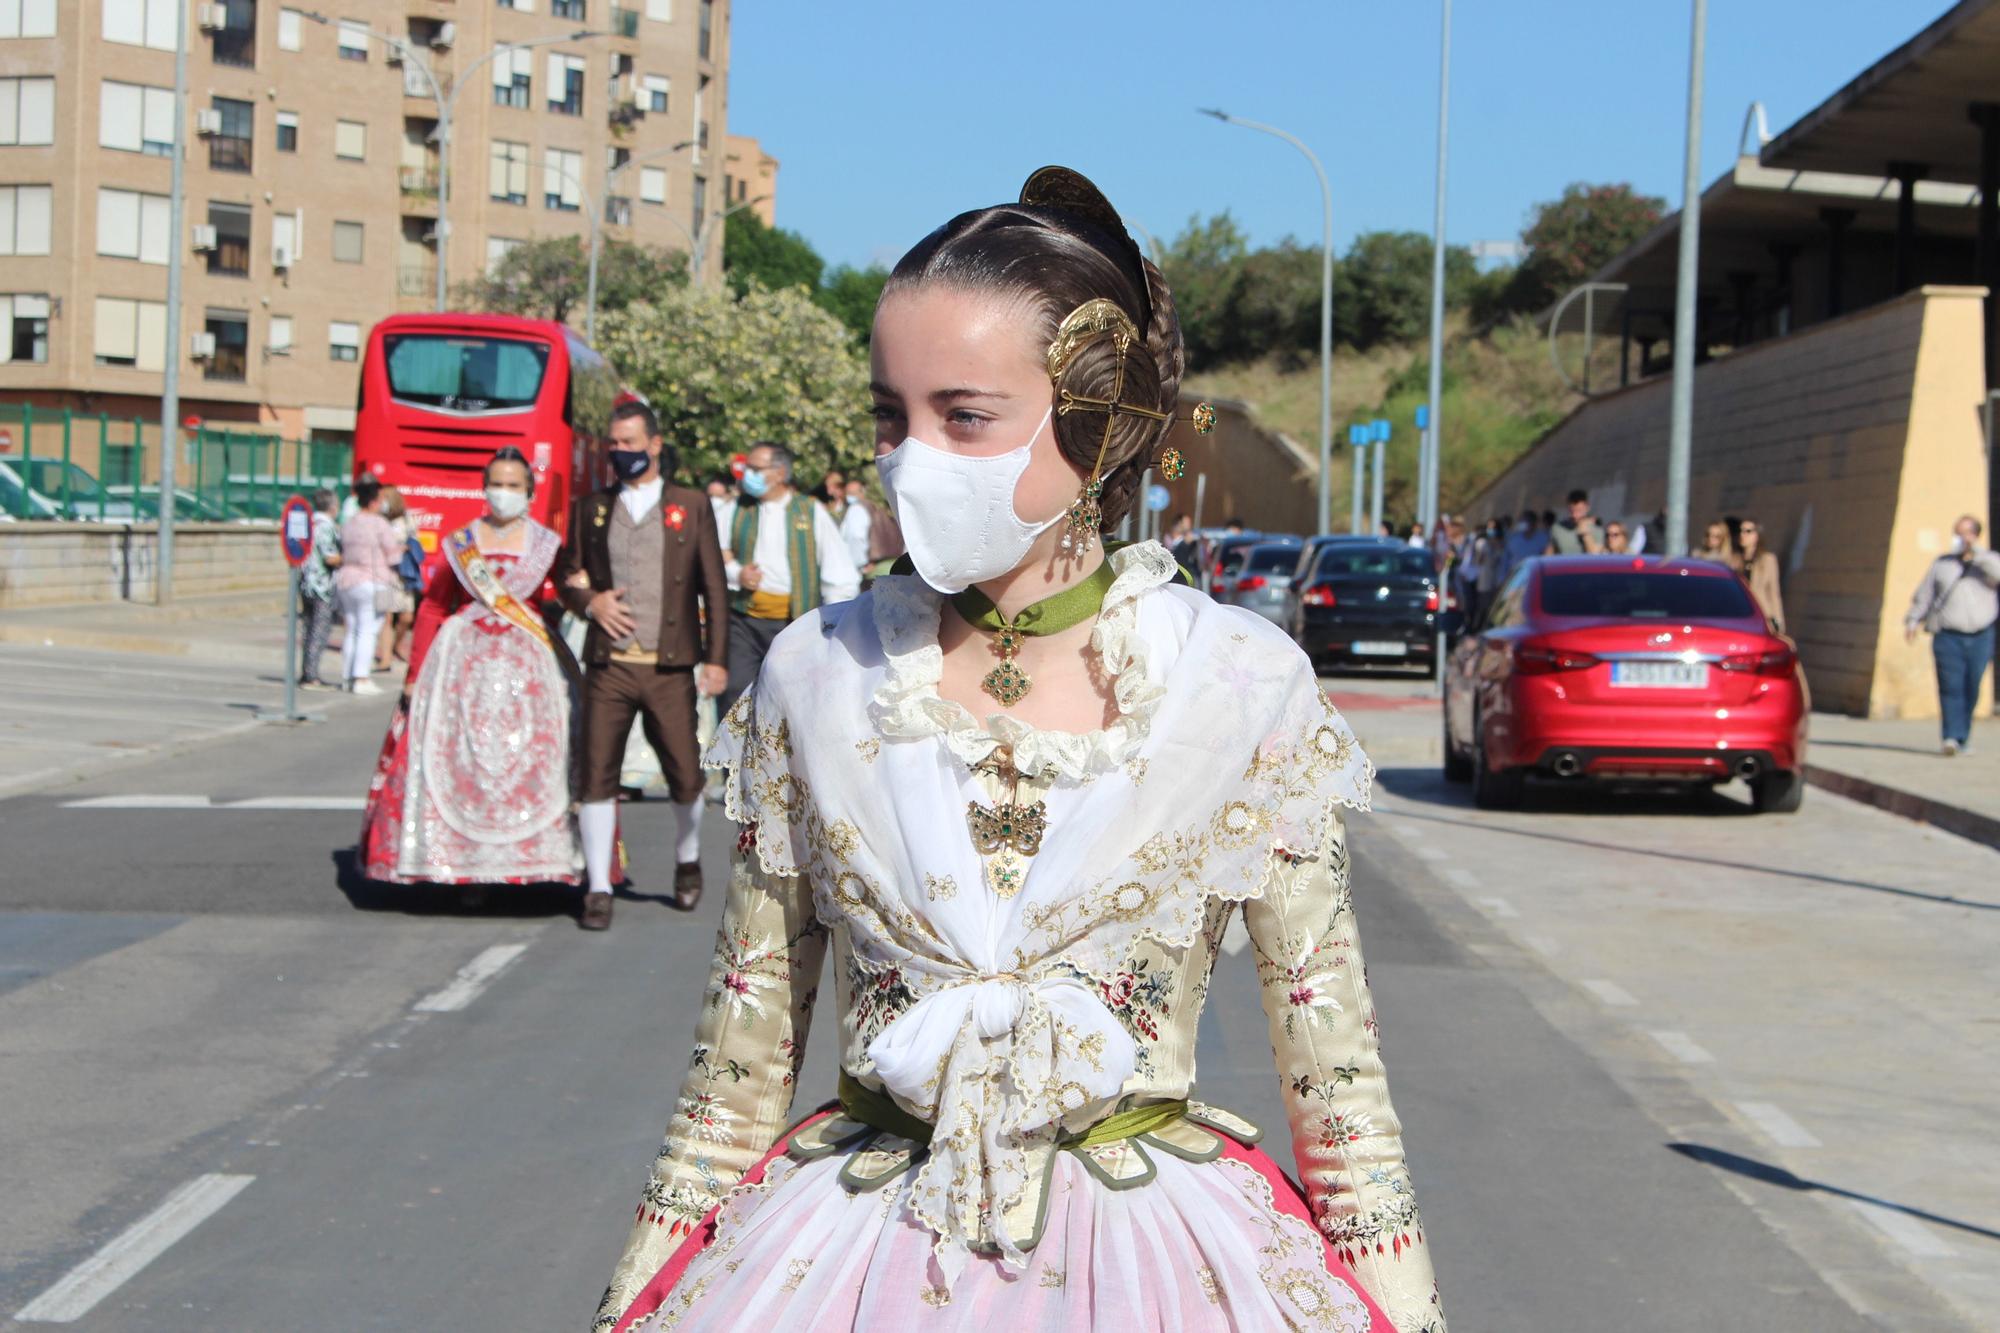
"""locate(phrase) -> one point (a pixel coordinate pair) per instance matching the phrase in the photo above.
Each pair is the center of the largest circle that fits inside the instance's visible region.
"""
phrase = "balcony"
(419, 181)
(624, 22)
(226, 363)
(618, 210)
(226, 153)
(416, 284)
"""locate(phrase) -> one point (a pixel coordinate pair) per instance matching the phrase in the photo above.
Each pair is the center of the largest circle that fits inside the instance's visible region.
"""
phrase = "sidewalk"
(224, 629)
(1896, 766)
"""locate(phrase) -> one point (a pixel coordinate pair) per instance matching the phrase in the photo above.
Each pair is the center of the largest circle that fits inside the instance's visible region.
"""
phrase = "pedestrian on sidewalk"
(643, 565)
(369, 550)
(1759, 568)
(1524, 543)
(1719, 546)
(472, 785)
(784, 556)
(1580, 533)
(1616, 540)
(1956, 604)
(316, 592)
(392, 645)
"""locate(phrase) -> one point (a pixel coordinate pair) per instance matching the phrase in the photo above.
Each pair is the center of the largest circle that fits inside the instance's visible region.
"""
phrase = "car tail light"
(1431, 600)
(1218, 569)
(1536, 659)
(1251, 584)
(1776, 662)
(1320, 596)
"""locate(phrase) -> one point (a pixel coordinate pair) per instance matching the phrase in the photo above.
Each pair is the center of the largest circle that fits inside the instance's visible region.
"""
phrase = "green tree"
(1274, 305)
(548, 278)
(1383, 287)
(724, 372)
(1204, 267)
(1570, 238)
(754, 255)
(849, 294)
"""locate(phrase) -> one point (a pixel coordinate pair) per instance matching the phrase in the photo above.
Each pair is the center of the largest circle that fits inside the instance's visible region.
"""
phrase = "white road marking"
(1235, 936)
(122, 1258)
(1462, 877)
(1499, 908)
(1542, 945)
(1682, 1047)
(1778, 1127)
(299, 803)
(1905, 1230)
(1610, 992)
(473, 978)
(1433, 854)
(140, 803)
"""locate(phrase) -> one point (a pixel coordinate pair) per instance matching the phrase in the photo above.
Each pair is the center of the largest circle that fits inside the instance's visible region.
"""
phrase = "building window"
(510, 77)
(25, 212)
(130, 333)
(27, 111)
(527, 5)
(142, 23)
(353, 39)
(27, 18)
(285, 232)
(562, 180)
(347, 242)
(497, 248)
(567, 9)
(291, 30)
(654, 90)
(231, 358)
(288, 131)
(652, 185)
(350, 139)
(700, 202)
(704, 39)
(566, 85)
(132, 117)
(235, 42)
(507, 172)
(131, 225)
(278, 342)
(229, 148)
(343, 341)
(24, 328)
(231, 256)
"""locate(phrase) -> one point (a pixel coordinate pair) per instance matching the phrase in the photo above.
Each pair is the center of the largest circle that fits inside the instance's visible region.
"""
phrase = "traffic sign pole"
(295, 522)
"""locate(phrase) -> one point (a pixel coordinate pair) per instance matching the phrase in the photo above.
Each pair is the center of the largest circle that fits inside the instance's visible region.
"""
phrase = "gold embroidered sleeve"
(737, 1096)
(1345, 1134)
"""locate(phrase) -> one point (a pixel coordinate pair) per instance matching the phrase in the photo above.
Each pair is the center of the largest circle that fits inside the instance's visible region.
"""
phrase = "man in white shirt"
(785, 556)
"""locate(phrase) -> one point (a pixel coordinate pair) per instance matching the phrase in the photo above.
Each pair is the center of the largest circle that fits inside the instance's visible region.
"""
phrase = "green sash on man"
(801, 551)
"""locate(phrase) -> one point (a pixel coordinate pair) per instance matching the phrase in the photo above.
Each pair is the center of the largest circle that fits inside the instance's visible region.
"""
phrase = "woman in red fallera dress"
(473, 783)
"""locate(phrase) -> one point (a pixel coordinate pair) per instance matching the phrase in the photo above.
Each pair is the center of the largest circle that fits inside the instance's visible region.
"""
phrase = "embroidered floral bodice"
(1012, 1020)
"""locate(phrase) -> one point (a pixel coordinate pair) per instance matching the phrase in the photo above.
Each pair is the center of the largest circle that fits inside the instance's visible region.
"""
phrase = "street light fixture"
(444, 106)
(1325, 309)
(708, 227)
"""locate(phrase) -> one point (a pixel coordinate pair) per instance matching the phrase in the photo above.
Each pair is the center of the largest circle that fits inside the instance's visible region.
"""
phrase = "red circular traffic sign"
(295, 530)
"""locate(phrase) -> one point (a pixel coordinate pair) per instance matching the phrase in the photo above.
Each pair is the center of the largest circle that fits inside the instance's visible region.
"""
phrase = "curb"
(1968, 824)
(112, 641)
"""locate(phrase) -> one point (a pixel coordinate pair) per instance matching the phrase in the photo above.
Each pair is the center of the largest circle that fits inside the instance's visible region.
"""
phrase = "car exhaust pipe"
(1568, 765)
(1748, 767)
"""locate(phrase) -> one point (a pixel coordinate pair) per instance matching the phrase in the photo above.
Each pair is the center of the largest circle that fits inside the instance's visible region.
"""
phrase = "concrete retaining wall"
(58, 564)
(1855, 445)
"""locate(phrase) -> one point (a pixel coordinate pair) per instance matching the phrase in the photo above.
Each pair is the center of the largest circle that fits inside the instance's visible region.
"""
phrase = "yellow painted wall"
(1840, 441)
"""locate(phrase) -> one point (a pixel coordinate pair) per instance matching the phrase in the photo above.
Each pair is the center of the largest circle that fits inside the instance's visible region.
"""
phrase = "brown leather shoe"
(687, 885)
(596, 913)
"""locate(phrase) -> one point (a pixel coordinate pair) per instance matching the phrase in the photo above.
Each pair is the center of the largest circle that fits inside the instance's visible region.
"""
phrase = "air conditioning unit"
(208, 121)
(201, 346)
(204, 236)
(281, 258)
(394, 55)
(213, 18)
(445, 36)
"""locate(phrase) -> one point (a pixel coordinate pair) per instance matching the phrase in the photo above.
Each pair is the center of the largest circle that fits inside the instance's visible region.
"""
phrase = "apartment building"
(312, 178)
(750, 178)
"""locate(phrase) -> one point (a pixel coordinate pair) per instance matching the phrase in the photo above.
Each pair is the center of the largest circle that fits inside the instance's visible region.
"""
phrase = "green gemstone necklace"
(1075, 604)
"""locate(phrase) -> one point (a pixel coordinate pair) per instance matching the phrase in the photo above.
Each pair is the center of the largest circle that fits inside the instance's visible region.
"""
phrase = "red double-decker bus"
(441, 392)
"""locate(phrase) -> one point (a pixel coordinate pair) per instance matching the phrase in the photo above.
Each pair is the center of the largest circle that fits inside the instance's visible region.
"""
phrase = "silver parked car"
(1263, 581)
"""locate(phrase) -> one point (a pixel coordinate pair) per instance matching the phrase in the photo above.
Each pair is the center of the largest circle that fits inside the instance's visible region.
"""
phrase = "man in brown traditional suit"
(643, 565)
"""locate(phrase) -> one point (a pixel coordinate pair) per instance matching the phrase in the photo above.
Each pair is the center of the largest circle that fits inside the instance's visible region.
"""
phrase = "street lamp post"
(170, 387)
(707, 229)
(1680, 431)
(1325, 311)
(597, 230)
(1357, 452)
(1378, 431)
(444, 105)
(1432, 446)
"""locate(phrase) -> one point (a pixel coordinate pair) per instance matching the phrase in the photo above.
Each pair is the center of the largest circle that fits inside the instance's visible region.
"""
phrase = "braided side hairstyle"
(1063, 248)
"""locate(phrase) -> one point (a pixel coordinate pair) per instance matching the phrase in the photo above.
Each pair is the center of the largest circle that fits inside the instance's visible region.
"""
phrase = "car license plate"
(1661, 675)
(1380, 648)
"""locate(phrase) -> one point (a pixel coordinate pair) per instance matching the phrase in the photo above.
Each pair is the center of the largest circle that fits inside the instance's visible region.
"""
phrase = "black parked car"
(1370, 603)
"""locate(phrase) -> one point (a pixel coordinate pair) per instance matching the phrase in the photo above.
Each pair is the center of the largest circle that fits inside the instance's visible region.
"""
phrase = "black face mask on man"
(630, 464)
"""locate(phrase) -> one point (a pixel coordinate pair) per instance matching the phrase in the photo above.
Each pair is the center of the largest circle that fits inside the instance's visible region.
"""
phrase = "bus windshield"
(464, 373)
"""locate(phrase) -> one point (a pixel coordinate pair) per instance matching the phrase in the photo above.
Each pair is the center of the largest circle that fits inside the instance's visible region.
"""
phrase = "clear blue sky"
(890, 116)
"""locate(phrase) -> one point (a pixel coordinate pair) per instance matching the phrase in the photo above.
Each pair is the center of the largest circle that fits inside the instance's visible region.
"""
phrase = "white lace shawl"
(856, 774)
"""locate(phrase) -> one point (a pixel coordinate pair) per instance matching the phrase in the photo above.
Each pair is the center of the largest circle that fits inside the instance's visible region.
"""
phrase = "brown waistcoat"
(688, 580)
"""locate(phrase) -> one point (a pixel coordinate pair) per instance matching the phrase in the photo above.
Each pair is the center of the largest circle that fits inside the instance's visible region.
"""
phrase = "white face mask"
(506, 505)
(957, 512)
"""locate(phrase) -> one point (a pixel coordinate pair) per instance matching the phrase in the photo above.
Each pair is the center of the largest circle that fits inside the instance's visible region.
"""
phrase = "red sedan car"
(1626, 668)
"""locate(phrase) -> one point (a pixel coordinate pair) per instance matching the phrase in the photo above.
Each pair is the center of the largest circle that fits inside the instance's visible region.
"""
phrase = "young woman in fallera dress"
(1016, 794)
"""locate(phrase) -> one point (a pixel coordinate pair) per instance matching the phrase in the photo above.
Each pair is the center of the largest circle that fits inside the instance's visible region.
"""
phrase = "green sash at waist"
(878, 1110)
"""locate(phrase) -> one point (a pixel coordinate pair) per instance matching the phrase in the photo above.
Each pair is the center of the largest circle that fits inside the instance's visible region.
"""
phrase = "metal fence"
(60, 464)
